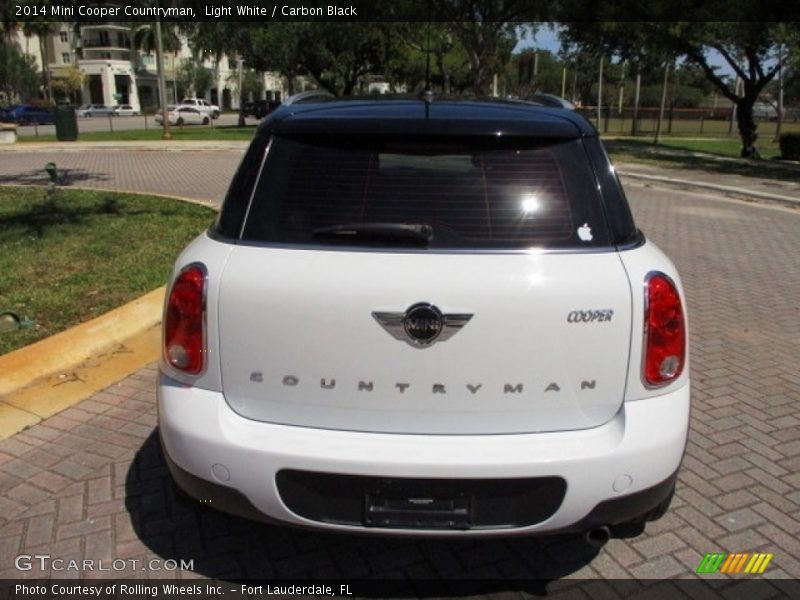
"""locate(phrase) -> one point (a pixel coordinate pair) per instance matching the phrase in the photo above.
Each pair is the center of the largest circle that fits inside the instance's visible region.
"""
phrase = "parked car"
(765, 110)
(552, 100)
(259, 108)
(125, 110)
(183, 115)
(27, 114)
(212, 110)
(426, 318)
(95, 110)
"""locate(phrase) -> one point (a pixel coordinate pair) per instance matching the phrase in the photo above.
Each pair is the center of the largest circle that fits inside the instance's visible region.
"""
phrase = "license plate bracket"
(407, 508)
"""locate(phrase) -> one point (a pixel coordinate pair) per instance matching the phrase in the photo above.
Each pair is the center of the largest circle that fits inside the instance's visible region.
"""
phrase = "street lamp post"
(166, 134)
(241, 95)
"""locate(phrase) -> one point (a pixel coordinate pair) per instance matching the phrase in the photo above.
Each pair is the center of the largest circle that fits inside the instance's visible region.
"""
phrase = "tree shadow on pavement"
(66, 177)
(222, 546)
(686, 158)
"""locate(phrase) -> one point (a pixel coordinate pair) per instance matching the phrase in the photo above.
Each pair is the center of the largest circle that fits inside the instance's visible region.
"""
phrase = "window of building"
(64, 36)
(148, 59)
(65, 58)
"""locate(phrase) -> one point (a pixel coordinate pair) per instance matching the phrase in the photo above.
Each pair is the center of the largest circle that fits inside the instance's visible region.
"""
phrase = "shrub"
(790, 146)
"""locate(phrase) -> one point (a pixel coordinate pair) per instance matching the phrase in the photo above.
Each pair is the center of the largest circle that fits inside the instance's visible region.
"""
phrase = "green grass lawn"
(71, 259)
(187, 133)
(730, 147)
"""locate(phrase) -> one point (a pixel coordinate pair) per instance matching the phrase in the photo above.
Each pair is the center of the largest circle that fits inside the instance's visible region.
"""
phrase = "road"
(88, 124)
(90, 483)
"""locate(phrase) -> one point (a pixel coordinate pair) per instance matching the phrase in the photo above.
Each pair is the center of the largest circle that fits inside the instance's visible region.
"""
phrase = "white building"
(118, 73)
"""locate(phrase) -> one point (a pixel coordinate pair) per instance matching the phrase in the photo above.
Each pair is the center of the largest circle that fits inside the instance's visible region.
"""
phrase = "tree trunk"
(289, 83)
(747, 126)
(444, 73)
(47, 86)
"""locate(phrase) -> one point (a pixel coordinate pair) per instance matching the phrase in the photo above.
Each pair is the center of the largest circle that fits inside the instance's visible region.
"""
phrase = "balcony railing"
(97, 43)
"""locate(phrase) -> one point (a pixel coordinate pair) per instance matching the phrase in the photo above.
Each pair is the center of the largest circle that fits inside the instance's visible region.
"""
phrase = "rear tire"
(179, 122)
(205, 121)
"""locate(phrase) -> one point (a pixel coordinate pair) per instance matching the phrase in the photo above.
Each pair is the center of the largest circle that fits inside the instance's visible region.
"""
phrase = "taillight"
(665, 332)
(184, 321)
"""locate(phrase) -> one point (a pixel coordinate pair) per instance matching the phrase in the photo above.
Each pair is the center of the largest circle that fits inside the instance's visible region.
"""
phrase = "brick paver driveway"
(90, 482)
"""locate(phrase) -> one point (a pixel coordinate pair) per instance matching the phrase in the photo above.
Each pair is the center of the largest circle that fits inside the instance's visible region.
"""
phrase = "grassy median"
(188, 133)
(71, 258)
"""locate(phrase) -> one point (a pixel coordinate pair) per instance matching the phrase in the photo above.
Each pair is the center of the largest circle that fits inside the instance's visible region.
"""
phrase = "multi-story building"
(117, 72)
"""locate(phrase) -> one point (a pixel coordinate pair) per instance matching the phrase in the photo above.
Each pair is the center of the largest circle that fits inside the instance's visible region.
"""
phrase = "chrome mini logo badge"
(422, 324)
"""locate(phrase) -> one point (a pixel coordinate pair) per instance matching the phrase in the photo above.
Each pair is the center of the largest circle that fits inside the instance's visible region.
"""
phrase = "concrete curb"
(751, 193)
(46, 377)
(70, 347)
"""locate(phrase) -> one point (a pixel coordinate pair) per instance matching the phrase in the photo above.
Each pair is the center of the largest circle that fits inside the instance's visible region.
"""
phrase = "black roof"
(416, 117)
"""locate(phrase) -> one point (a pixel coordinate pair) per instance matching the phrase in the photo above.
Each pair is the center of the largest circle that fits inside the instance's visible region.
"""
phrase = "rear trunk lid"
(545, 348)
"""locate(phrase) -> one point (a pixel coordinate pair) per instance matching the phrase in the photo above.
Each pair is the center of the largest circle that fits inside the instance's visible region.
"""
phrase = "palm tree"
(144, 38)
(42, 30)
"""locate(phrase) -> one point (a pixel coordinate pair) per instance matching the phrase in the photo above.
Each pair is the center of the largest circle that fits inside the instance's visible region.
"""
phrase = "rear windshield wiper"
(414, 233)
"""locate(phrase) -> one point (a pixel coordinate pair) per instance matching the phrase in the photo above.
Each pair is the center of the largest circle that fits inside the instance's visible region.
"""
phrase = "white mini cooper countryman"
(426, 317)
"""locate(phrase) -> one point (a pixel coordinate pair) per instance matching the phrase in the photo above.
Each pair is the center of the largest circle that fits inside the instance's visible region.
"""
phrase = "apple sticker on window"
(585, 233)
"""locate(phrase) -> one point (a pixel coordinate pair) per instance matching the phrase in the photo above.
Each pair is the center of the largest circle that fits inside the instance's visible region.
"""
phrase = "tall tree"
(746, 37)
(488, 31)
(273, 47)
(42, 30)
(18, 77)
(338, 55)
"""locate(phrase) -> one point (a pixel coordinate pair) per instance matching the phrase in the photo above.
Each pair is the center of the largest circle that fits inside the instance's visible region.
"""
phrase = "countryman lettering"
(364, 385)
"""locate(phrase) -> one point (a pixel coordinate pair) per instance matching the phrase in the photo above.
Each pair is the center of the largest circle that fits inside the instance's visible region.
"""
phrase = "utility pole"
(241, 95)
(780, 94)
(600, 93)
(166, 134)
(635, 125)
(663, 102)
(735, 105)
(564, 81)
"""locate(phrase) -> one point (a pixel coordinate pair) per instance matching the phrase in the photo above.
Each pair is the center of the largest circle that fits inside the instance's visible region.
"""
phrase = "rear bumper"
(613, 473)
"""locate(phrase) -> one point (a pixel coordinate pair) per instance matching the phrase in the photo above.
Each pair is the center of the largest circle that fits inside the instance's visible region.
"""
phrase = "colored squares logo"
(733, 564)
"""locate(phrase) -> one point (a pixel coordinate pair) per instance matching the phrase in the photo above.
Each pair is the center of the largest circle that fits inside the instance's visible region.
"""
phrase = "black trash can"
(66, 122)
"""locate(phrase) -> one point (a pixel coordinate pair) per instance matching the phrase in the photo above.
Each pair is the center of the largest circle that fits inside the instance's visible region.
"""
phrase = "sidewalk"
(122, 165)
(740, 186)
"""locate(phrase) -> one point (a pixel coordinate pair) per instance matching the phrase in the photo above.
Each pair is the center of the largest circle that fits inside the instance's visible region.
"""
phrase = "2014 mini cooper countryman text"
(426, 317)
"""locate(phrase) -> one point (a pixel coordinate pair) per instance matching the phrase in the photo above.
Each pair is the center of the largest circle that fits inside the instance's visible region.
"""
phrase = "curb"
(750, 193)
(133, 145)
(46, 377)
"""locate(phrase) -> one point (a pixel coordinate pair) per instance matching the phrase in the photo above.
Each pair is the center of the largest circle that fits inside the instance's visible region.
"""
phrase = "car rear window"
(469, 193)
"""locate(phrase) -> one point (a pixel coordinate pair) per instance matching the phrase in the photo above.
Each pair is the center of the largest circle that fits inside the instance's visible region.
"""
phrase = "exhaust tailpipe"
(598, 537)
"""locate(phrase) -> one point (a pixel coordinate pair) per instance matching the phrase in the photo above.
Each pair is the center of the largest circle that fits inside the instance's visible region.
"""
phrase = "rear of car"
(426, 318)
(25, 114)
(259, 108)
(95, 110)
(204, 107)
(184, 115)
(124, 110)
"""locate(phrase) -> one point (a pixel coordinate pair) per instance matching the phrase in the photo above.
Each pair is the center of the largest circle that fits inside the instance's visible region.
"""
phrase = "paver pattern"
(90, 483)
(201, 175)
